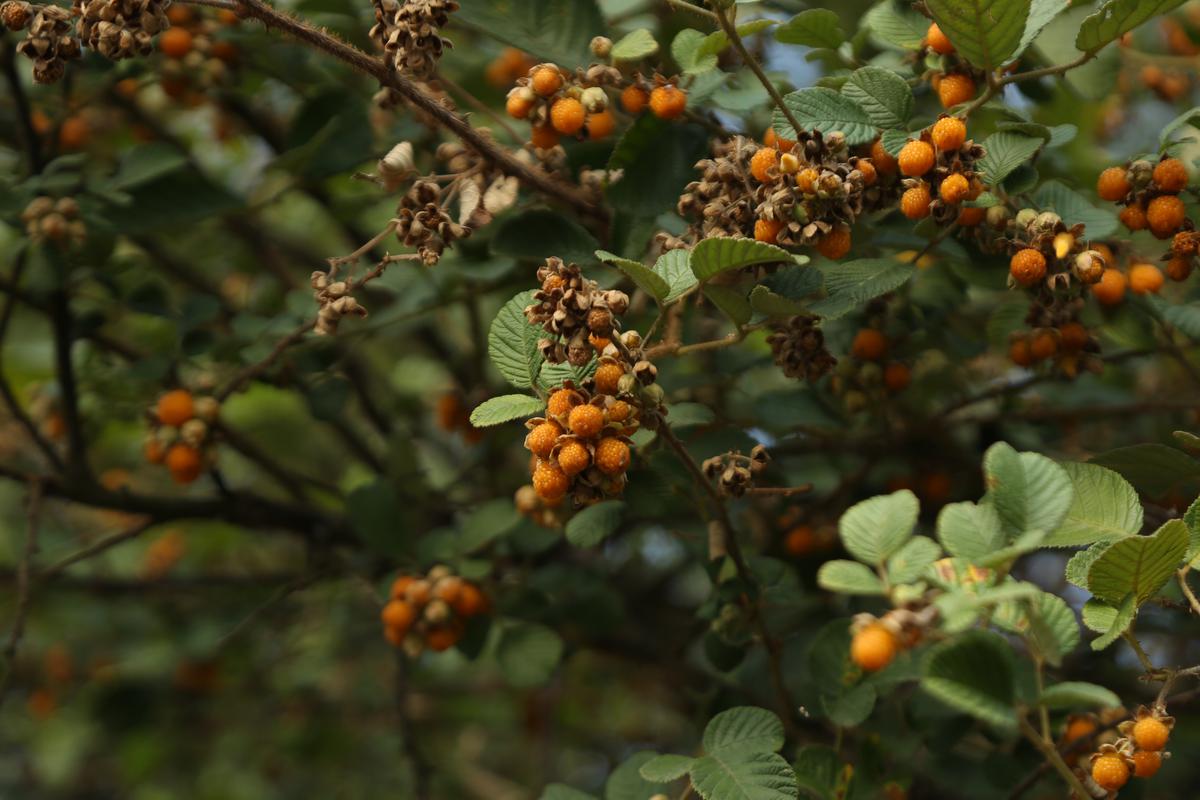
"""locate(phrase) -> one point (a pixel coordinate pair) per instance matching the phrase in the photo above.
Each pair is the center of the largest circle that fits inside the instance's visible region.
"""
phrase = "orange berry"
(574, 458)
(884, 161)
(873, 647)
(1171, 175)
(954, 189)
(612, 456)
(1145, 279)
(543, 137)
(867, 169)
(175, 407)
(970, 217)
(562, 401)
(1079, 727)
(949, 133)
(1113, 184)
(772, 139)
(869, 345)
(600, 125)
(1165, 214)
(154, 451)
(1019, 353)
(518, 106)
(634, 99)
(667, 102)
(418, 592)
(471, 601)
(767, 230)
(175, 42)
(761, 163)
(179, 14)
(1146, 763)
(1073, 337)
(599, 342)
(835, 244)
(896, 377)
(1027, 266)
(1043, 346)
(800, 540)
(546, 80)
(806, 180)
(954, 89)
(399, 616)
(1150, 733)
(1110, 289)
(916, 158)
(400, 586)
(914, 203)
(607, 377)
(448, 588)
(1110, 772)
(442, 638)
(184, 462)
(567, 116)
(549, 481)
(619, 411)
(937, 40)
(1133, 217)
(541, 440)
(585, 420)
(224, 51)
(74, 133)
(1179, 268)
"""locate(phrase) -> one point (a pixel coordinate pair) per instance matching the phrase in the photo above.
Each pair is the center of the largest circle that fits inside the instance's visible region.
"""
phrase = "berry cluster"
(866, 377)
(195, 57)
(56, 221)
(1150, 194)
(430, 611)
(798, 346)
(876, 641)
(181, 437)
(49, 40)
(801, 539)
(940, 176)
(1140, 750)
(409, 32)
(580, 317)
(558, 104)
(956, 81)
(1068, 345)
(120, 29)
(734, 472)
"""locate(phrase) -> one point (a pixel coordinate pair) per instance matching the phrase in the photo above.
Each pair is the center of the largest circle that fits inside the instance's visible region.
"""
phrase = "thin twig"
(95, 549)
(750, 61)
(1187, 590)
(254, 370)
(996, 85)
(1051, 754)
(421, 770)
(32, 524)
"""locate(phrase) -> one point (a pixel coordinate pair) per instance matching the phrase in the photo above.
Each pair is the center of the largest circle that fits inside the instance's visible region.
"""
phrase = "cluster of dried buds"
(424, 224)
(580, 316)
(734, 472)
(181, 433)
(56, 221)
(723, 201)
(483, 190)
(334, 301)
(49, 42)
(409, 31)
(798, 345)
(120, 29)
(430, 610)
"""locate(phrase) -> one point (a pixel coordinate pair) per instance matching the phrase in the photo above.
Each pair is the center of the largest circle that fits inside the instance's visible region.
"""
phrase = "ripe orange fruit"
(1113, 184)
(549, 481)
(441, 638)
(799, 540)
(154, 451)
(954, 189)
(417, 592)
(954, 89)
(1171, 175)
(546, 80)
(1146, 763)
(914, 203)
(767, 230)
(1110, 289)
(543, 137)
(1179, 268)
(612, 456)
(74, 133)
(1073, 337)
(667, 102)
(869, 345)
(562, 401)
(184, 462)
(600, 125)
(607, 377)
(761, 162)
(867, 169)
(541, 440)
(471, 601)
(634, 99)
(884, 161)
(970, 217)
(949, 133)
(1079, 727)
(1027, 266)
(574, 458)
(1020, 354)
(772, 139)
(937, 40)
(806, 180)
(175, 42)
(835, 244)
(400, 586)
(1151, 734)
(1043, 346)
(916, 158)
(518, 106)
(1133, 217)
(873, 647)
(585, 420)
(1110, 772)
(399, 616)
(567, 116)
(1145, 279)
(1164, 215)
(896, 377)
(175, 407)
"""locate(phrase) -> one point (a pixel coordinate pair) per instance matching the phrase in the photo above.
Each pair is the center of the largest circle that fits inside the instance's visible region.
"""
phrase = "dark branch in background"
(421, 770)
(64, 337)
(8, 59)
(172, 585)
(33, 520)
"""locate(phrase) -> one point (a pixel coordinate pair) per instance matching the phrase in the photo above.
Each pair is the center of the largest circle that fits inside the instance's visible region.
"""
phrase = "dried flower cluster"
(574, 310)
(735, 472)
(49, 42)
(57, 221)
(409, 31)
(120, 29)
(798, 346)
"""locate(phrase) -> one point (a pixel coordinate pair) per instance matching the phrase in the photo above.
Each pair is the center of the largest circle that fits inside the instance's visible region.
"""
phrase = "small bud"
(594, 99)
(626, 384)
(601, 46)
(1140, 172)
(1025, 217)
(1063, 243)
(789, 164)
(631, 339)
(193, 432)
(760, 456)
(526, 499)
(652, 395)
(645, 372)
(207, 408)
(1047, 221)
(998, 216)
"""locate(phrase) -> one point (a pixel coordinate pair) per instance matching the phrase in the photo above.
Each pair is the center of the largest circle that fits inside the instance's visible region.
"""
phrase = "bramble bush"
(623, 399)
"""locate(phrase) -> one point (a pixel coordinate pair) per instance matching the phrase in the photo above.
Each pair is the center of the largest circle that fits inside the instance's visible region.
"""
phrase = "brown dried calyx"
(120, 29)
(49, 42)
(334, 301)
(57, 221)
(424, 224)
(572, 307)
(409, 32)
(735, 472)
(799, 348)
(723, 201)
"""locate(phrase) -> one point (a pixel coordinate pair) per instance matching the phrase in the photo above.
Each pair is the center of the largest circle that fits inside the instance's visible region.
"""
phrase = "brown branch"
(750, 61)
(422, 772)
(254, 370)
(95, 549)
(33, 520)
(62, 323)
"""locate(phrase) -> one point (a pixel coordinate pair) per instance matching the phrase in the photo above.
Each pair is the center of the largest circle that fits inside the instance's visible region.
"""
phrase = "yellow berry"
(567, 115)
(1113, 184)
(835, 244)
(1171, 175)
(949, 133)
(546, 80)
(612, 456)
(767, 230)
(1145, 279)
(1151, 734)
(1110, 772)
(954, 189)
(954, 89)
(762, 162)
(916, 158)
(914, 203)
(1164, 215)
(541, 440)
(549, 481)
(585, 420)
(1027, 266)
(873, 647)
(573, 458)
(667, 102)
(1110, 289)
(937, 40)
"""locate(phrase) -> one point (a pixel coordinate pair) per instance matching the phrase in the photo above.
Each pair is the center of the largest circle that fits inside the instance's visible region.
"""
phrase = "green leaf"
(731, 302)
(554, 30)
(560, 791)
(896, 25)
(722, 253)
(535, 234)
(1041, 12)
(1025, 542)
(764, 301)
(1116, 18)
(909, 563)
(818, 771)
(1191, 518)
(554, 375)
(172, 201)
(1030, 491)
(513, 343)
(686, 49)
(1110, 621)
(504, 408)
(849, 577)
(884, 95)
(1153, 469)
(377, 518)
(974, 673)
(145, 163)
(852, 707)
(852, 284)
(744, 776)
(1075, 208)
(646, 279)
(634, 46)
(816, 27)
(594, 524)
(683, 415)
(823, 109)
(743, 729)
(658, 159)
(984, 32)
(1140, 565)
(1185, 317)
(626, 781)
(528, 653)
(893, 141)
(1074, 694)
(486, 523)
(1046, 620)
(1006, 151)
(1080, 563)
(873, 529)
(666, 768)
(1189, 118)
(970, 531)
(1105, 508)
(675, 267)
